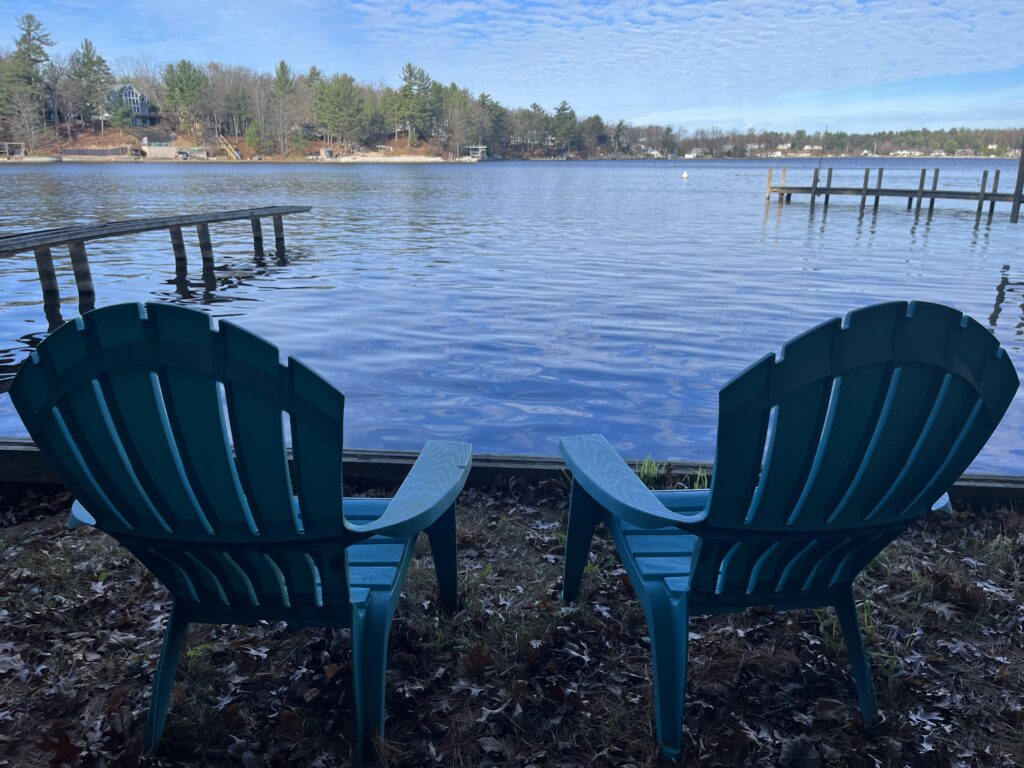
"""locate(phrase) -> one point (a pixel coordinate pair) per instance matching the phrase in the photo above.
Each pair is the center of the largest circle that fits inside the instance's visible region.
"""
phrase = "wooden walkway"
(915, 196)
(41, 243)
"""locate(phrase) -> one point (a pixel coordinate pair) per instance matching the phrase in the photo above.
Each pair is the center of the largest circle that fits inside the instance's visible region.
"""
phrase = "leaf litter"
(516, 677)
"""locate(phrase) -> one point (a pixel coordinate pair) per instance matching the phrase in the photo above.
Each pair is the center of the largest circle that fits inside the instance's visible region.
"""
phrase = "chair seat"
(379, 562)
(664, 554)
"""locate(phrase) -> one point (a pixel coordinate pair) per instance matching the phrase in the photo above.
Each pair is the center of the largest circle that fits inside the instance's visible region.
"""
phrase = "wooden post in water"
(814, 186)
(47, 275)
(995, 190)
(828, 185)
(768, 186)
(864, 191)
(83, 276)
(178, 244)
(981, 198)
(257, 232)
(279, 230)
(920, 193)
(205, 246)
(1018, 190)
(935, 186)
(878, 186)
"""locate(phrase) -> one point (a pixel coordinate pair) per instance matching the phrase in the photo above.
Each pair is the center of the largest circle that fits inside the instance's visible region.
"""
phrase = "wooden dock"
(915, 196)
(42, 243)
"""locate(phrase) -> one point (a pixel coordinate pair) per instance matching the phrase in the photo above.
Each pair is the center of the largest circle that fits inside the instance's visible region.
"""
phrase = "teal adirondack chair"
(868, 423)
(128, 405)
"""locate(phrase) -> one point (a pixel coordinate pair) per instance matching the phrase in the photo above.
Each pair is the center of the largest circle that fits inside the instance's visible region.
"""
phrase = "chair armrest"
(79, 517)
(602, 473)
(430, 488)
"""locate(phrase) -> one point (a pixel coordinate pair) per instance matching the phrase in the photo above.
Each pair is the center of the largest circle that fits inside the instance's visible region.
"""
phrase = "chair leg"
(584, 515)
(846, 608)
(174, 637)
(442, 548)
(371, 624)
(667, 621)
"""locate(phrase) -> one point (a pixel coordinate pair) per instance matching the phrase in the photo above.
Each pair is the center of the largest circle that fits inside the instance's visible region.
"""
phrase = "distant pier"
(915, 196)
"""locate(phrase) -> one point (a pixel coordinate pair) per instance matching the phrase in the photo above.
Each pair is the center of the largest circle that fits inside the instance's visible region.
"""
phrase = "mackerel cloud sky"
(769, 63)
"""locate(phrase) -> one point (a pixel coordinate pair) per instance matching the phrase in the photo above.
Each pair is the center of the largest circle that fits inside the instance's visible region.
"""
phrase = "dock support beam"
(864, 191)
(178, 245)
(981, 199)
(935, 186)
(279, 233)
(47, 275)
(257, 236)
(203, 230)
(1018, 190)
(995, 191)
(83, 276)
(920, 193)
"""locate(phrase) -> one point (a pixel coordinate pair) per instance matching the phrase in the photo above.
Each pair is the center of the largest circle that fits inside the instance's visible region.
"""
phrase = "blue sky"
(770, 63)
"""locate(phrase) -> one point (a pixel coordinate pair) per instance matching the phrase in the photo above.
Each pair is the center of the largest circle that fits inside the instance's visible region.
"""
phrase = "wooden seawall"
(22, 463)
(915, 196)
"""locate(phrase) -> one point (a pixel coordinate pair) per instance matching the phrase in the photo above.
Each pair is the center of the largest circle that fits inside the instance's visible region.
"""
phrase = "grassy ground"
(516, 678)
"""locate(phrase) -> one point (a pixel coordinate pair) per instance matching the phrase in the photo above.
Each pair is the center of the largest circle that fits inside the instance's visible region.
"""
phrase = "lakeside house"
(144, 113)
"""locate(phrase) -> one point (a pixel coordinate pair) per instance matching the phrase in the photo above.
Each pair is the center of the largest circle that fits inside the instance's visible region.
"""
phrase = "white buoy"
(686, 175)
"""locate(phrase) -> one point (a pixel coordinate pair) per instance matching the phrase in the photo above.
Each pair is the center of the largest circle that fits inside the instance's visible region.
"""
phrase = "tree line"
(45, 94)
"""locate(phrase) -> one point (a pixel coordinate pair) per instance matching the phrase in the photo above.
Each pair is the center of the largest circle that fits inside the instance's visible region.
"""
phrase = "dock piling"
(1018, 190)
(205, 246)
(768, 186)
(981, 198)
(878, 186)
(814, 186)
(864, 191)
(47, 275)
(920, 193)
(995, 191)
(83, 276)
(828, 185)
(178, 245)
(257, 232)
(279, 229)
(935, 185)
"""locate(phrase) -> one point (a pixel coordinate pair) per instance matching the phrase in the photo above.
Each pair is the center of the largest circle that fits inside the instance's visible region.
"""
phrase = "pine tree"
(92, 79)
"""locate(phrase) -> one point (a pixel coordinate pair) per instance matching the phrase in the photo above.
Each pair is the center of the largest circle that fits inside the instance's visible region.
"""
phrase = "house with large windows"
(143, 112)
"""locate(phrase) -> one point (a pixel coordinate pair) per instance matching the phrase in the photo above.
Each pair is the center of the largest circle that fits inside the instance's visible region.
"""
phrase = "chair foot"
(163, 684)
(846, 608)
(584, 515)
(443, 549)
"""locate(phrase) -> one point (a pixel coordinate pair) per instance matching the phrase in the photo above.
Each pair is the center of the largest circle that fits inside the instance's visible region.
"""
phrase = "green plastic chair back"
(825, 453)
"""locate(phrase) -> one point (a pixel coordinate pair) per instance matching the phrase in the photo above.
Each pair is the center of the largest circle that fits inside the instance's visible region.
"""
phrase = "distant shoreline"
(436, 160)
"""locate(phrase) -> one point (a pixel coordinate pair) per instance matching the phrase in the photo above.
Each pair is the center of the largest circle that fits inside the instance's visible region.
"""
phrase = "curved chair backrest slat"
(138, 407)
(825, 453)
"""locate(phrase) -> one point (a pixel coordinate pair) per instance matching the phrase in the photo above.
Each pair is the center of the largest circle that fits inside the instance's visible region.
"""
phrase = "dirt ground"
(515, 678)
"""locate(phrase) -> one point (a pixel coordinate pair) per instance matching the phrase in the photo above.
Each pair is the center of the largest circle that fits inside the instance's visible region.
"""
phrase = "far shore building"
(143, 112)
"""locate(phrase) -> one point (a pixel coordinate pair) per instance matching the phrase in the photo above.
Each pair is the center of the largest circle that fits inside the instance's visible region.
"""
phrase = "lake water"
(508, 304)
